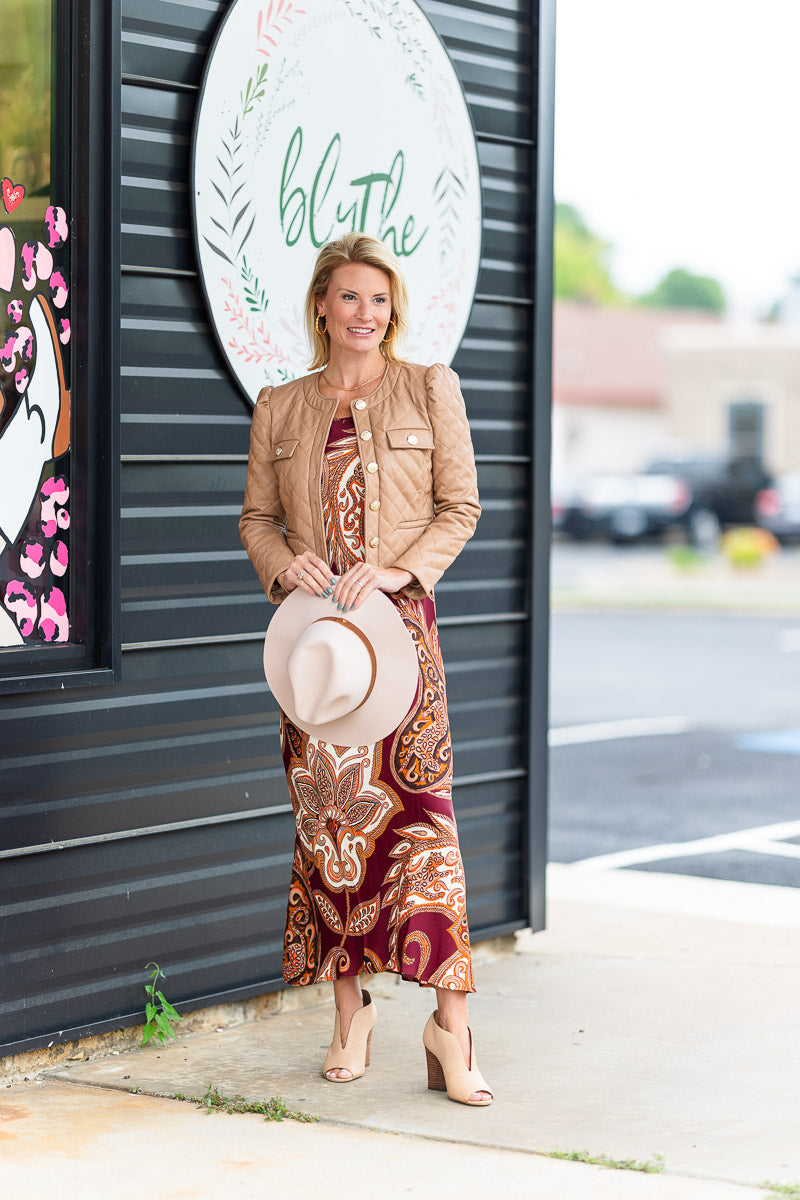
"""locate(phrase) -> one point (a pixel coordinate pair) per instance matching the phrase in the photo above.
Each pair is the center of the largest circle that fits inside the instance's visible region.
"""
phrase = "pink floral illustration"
(270, 24)
(255, 345)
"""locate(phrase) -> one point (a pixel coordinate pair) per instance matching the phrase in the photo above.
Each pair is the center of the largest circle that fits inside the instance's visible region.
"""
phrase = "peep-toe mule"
(352, 1055)
(447, 1071)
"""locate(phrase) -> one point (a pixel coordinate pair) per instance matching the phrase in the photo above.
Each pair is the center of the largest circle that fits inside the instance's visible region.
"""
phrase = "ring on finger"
(301, 574)
(358, 584)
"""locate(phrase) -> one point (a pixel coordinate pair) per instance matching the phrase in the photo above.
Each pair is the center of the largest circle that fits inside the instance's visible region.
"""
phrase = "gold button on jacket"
(420, 474)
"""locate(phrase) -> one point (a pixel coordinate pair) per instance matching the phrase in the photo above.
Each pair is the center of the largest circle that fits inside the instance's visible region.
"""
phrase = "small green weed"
(686, 558)
(782, 1191)
(272, 1110)
(652, 1167)
(158, 1010)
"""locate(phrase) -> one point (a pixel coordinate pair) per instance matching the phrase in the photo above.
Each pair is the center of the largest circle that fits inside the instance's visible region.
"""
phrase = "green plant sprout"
(653, 1166)
(272, 1110)
(159, 1012)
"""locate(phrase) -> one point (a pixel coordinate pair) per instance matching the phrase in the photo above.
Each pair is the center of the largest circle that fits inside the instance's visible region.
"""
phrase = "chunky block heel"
(447, 1070)
(436, 1081)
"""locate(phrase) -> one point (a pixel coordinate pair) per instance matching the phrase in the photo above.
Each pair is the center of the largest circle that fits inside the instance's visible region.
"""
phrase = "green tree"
(679, 288)
(580, 269)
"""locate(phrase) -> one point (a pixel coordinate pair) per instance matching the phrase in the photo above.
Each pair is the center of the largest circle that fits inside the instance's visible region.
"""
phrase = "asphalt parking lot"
(675, 731)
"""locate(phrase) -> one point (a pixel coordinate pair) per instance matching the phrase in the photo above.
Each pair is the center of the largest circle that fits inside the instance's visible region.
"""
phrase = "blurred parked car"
(621, 507)
(698, 495)
(723, 491)
(777, 508)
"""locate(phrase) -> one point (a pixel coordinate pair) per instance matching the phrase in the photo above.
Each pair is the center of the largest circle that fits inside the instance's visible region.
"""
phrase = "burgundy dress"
(377, 878)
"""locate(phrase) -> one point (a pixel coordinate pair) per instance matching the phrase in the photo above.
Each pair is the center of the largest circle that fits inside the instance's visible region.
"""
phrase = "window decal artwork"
(285, 160)
(34, 431)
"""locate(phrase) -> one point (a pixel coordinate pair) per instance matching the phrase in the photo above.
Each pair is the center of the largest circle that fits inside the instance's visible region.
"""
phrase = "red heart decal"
(13, 195)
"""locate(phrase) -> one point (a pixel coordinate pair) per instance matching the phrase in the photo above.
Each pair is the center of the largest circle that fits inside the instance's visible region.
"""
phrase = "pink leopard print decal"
(35, 331)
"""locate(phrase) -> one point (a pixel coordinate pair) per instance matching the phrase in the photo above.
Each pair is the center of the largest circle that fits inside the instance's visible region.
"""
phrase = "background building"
(736, 390)
(612, 373)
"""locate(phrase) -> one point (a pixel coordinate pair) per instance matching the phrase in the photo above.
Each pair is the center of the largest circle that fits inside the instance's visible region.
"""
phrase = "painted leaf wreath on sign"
(284, 161)
(245, 296)
(34, 432)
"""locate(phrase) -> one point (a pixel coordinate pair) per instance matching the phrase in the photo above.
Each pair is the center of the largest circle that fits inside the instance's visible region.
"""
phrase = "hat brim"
(396, 675)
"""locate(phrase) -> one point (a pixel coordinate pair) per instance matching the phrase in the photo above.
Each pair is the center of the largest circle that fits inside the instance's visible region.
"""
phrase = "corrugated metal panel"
(166, 790)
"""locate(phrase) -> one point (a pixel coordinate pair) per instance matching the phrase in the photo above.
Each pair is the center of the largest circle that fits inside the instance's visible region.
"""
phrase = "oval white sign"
(316, 119)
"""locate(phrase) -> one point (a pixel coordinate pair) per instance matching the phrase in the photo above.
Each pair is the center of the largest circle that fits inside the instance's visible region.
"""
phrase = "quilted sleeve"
(263, 521)
(455, 484)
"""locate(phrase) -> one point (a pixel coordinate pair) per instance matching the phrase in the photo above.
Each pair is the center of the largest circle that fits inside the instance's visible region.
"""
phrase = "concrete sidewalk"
(657, 1016)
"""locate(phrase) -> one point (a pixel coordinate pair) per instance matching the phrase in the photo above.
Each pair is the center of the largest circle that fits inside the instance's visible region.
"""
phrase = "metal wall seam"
(540, 453)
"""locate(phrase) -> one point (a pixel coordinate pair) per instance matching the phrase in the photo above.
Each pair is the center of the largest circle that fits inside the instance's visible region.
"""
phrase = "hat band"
(367, 644)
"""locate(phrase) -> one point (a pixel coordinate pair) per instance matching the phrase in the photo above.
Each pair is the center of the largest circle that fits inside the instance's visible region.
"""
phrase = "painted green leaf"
(239, 215)
(217, 250)
(247, 235)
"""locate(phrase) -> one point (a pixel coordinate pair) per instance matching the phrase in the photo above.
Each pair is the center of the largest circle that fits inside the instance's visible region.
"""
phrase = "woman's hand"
(356, 584)
(309, 573)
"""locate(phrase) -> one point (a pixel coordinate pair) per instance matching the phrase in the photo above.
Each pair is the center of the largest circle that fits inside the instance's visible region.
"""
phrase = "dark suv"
(699, 494)
(723, 491)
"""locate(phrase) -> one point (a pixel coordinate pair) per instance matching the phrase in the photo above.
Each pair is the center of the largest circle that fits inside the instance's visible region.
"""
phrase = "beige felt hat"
(346, 678)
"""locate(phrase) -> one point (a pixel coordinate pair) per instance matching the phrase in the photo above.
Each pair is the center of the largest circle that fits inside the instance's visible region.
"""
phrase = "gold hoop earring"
(316, 324)
(394, 335)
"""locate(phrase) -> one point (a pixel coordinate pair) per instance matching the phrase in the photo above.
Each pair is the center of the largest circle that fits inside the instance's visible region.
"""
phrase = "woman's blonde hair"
(356, 248)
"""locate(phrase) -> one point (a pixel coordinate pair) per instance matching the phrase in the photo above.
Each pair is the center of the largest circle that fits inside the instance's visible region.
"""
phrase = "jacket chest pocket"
(410, 438)
(284, 449)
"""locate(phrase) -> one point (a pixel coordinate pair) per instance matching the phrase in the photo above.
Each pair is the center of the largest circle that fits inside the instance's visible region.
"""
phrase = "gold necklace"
(339, 387)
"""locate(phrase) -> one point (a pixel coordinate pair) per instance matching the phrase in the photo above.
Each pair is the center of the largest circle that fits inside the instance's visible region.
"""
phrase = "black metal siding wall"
(166, 791)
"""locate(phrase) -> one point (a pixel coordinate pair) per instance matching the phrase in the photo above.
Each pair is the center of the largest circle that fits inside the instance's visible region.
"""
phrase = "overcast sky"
(678, 137)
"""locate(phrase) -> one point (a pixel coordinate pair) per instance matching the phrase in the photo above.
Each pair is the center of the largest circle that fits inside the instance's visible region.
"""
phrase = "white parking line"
(607, 731)
(741, 839)
(782, 849)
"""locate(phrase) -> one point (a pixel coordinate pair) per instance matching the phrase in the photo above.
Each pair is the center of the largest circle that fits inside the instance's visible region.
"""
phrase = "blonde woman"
(361, 478)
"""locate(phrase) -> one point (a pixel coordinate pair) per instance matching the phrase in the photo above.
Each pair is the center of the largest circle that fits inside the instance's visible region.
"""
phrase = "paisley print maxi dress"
(377, 878)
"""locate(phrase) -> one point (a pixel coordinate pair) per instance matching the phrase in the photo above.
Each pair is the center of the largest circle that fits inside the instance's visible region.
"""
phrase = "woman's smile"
(357, 306)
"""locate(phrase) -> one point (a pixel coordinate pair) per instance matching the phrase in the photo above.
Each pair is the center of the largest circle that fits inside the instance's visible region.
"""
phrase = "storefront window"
(35, 534)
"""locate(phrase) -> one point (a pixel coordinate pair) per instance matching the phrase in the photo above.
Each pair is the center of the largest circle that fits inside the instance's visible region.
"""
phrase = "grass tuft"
(652, 1166)
(273, 1109)
(782, 1191)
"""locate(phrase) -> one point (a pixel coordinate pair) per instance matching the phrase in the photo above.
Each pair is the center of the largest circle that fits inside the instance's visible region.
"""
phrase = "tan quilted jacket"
(421, 502)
